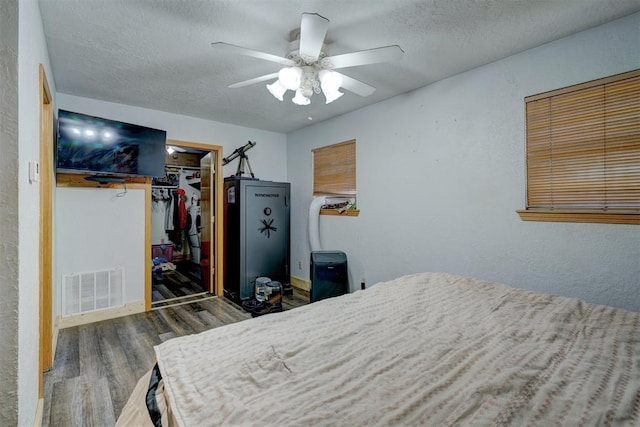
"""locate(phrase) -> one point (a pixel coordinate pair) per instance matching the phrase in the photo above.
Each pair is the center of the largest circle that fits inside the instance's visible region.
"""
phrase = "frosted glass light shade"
(330, 81)
(300, 99)
(277, 89)
(290, 77)
(332, 96)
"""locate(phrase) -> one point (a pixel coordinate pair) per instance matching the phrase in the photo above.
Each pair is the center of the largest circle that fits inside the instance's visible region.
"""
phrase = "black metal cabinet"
(257, 234)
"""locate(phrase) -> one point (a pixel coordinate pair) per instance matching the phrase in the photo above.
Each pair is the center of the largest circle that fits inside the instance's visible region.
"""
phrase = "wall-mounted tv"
(93, 145)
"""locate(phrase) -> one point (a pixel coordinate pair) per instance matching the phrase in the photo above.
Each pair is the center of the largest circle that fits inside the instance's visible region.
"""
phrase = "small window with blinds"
(583, 152)
(334, 174)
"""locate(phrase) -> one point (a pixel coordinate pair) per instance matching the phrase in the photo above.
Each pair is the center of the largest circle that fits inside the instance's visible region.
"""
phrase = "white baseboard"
(300, 283)
(96, 316)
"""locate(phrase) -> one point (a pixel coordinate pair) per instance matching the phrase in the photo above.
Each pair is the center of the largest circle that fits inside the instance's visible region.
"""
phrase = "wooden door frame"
(46, 228)
(217, 244)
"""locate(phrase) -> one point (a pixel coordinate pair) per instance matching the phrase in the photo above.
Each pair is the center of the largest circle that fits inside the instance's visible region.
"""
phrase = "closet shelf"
(194, 182)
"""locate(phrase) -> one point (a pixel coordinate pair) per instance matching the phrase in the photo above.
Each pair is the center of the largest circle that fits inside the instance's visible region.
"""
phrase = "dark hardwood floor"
(299, 297)
(174, 284)
(97, 365)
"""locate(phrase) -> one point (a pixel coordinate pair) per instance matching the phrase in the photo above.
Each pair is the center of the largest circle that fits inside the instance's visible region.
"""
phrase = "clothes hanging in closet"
(168, 214)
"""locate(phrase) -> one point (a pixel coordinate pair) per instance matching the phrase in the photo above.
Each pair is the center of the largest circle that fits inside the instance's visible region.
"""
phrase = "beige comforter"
(425, 349)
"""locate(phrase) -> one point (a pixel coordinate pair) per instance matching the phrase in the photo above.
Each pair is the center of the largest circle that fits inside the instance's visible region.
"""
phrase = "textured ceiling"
(156, 53)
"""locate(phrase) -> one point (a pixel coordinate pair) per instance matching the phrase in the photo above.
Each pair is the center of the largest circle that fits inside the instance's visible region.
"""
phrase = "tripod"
(240, 170)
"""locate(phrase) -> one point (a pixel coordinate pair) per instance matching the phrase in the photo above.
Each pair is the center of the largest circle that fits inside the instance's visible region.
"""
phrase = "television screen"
(88, 144)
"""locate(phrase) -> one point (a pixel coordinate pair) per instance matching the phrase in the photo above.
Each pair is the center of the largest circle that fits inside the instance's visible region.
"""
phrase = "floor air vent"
(90, 291)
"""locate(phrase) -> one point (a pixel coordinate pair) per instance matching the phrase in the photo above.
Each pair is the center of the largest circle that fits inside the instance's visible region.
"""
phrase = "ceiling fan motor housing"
(294, 54)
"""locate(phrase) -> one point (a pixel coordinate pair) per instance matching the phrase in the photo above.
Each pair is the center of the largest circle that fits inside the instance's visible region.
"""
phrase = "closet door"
(207, 210)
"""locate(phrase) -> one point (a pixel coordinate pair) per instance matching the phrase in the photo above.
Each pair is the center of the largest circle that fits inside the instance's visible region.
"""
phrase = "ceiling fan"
(308, 68)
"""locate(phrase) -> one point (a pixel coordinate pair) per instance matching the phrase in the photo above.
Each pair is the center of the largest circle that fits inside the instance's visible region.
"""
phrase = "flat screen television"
(108, 148)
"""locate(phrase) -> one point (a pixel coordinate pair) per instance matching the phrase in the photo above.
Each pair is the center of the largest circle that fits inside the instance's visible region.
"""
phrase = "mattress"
(424, 349)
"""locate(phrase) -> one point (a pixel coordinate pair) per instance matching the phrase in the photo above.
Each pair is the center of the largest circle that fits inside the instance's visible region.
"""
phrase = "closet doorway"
(185, 247)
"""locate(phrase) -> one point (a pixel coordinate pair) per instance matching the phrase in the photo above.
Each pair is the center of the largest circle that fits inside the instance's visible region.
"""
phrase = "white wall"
(9, 267)
(91, 225)
(32, 52)
(440, 174)
(89, 241)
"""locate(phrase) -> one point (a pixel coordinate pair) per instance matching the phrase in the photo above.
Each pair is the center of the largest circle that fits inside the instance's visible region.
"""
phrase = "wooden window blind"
(334, 169)
(583, 152)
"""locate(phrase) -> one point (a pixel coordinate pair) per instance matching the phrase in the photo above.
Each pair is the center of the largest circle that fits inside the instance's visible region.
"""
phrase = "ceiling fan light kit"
(308, 70)
(305, 81)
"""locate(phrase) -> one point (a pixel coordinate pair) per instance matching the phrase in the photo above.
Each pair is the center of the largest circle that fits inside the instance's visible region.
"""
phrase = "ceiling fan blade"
(313, 29)
(365, 57)
(356, 86)
(254, 80)
(253, 53)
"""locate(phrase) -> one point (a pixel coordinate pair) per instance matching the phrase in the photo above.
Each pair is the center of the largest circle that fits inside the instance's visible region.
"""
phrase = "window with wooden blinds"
(334, 174)
(583, 152)
(334, 169)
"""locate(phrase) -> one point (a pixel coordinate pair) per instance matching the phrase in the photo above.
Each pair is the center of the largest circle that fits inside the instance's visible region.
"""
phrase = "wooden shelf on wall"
(338, 212)
(79, 180)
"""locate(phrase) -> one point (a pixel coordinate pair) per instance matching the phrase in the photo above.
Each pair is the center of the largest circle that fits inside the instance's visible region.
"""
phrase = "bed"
(424, 349)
